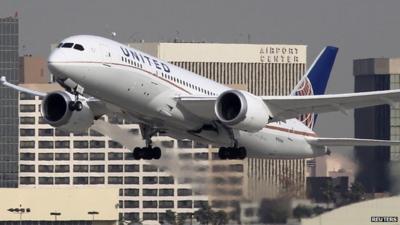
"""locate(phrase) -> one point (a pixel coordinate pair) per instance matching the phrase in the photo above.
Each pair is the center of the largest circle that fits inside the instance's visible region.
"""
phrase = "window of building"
(166, 192)
(128, 204)
(166, 204)
(81, 144)
(185, 156)
(80, 180)
(46, 144)
(27, 108)
(219, 204)
(219, 168)
(114, 144)
(46, 132)
(184, 144)
(62, 168)
(27, 156)
(129, 156)
(115, 168)
(97, 144)
(27, 180)
(149, 204)
(185, 204)
(61, 144)
(97, 156)
(132, 180)
(27, 168)
(150, 180)
(236, 167)
(149, 216)
(96, 180)
(61, 180)
(46, 156)
(149, 168)
(81, 168)
(167, 180)
(97, 168)
(132, 168)
(149, 192)
(27, 120)
(199, 204)
(46, 168)
(81, 156)
(131, 216)
(62, 133)
(115, 156)
(26, 132)
(235, 180)
(26, 96)
(114, 180)
(184, 192)
(46, 180)
(167, 144)
(131, 192)
(199, 145)
(27, 144)
(41, 120)
(201, 156)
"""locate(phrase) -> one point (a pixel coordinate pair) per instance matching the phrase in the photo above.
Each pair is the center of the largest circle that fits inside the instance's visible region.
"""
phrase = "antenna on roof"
(110, 32)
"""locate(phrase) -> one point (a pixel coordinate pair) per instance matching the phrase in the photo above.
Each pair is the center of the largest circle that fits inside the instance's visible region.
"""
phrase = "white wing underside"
(350, 142)
(287, 107)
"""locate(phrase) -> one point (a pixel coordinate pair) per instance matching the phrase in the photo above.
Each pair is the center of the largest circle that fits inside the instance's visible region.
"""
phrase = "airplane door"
(104, 52)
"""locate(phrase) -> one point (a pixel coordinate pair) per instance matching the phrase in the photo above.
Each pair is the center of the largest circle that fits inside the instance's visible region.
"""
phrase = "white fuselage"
(145, 88)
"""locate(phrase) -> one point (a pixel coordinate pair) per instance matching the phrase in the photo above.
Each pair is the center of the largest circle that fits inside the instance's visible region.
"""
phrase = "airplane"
(103, 77)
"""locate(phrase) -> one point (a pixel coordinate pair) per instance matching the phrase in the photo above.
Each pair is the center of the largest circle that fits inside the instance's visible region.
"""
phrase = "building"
(378, 211)
(261, 69)
(33, 69)
(53, 158)
(383, 123)
(67, 206)
(9, 102)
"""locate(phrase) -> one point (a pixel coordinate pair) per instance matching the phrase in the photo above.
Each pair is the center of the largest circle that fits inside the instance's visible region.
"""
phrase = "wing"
(350, 142)
(201, 106)
(286, 107)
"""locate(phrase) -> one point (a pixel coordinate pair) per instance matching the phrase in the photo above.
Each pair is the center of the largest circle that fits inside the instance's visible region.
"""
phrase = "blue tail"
(315, 80)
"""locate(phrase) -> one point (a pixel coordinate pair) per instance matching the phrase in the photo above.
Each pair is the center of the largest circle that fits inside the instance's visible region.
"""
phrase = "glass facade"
(9, 66)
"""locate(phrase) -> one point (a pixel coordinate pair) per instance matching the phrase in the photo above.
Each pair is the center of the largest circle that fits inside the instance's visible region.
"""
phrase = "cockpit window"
(67, 45)
(59, 45)
(78, 47)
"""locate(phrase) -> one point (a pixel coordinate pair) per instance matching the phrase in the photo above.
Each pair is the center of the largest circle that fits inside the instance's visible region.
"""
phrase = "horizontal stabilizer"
(350, 142)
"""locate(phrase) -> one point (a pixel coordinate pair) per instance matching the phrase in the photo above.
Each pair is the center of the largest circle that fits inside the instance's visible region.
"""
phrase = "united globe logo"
(303, 90)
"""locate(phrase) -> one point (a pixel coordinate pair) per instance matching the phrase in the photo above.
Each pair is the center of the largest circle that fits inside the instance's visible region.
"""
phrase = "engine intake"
(242, 110)
(56, 112)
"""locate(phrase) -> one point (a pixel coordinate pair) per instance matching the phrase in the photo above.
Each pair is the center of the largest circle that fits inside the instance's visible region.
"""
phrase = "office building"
(9, 102)
(261, 69)
(377, 122)
(33, 69)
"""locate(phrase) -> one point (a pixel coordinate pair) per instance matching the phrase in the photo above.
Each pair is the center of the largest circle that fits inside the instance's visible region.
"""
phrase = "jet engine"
(242, 110)
(57, 111)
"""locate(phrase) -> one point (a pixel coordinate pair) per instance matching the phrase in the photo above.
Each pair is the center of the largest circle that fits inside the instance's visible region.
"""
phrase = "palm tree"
(204, 214)
(170, 217)
(220, 218)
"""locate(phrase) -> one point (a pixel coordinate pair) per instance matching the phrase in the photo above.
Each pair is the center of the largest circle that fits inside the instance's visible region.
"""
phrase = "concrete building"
(9, 102)
(383, 122)
(67, 206)
(378, 211)
(33, 69)
(261, 69)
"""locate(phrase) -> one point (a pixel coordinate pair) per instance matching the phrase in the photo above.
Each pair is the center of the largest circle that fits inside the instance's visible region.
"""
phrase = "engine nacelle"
(242, 110)
(57, 113)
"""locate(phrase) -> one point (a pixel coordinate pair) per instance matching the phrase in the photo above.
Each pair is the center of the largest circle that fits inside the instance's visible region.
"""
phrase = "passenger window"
(67, 45)
(78, 47)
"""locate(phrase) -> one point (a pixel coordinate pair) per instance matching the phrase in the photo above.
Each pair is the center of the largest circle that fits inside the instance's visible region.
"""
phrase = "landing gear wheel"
(137, 153)
(156, 153)
(78, 106)
(148, 153)
(222, 153)
(232, 153)
(242, 153)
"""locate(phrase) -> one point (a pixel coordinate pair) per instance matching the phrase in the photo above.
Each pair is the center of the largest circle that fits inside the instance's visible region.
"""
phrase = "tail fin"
(315, 80)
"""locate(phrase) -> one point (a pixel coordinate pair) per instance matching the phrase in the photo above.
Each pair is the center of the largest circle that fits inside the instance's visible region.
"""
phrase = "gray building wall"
(378, 122)
(9, 66)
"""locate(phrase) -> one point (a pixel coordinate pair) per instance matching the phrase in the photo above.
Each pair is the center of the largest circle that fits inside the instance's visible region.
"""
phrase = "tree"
(170, 217)
(204, 214)
(317, 210)
(302, 211)
(357, 192)
(274, 210)
(220, 218)
(328, 191)
(181, 218)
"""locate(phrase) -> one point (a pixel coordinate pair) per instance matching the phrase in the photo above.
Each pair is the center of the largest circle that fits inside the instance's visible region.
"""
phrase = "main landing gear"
(149, 152)
(232, 153)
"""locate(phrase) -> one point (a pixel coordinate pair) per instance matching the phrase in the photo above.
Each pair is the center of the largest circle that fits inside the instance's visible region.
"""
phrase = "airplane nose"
(55, 63)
